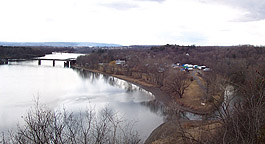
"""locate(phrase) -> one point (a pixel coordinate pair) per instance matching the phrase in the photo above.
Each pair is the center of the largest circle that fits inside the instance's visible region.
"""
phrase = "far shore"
(161, 96)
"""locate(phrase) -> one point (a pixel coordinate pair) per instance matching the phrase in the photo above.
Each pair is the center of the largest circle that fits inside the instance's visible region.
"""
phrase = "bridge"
(67, 62)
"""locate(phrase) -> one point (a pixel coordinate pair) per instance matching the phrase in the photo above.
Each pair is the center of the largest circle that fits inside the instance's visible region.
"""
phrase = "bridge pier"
(6, 61)
(39, 62)
(53, 63)
(72, 62)
(66, 64)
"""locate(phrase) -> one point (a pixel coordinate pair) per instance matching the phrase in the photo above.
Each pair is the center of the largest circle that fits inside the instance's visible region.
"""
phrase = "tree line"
(29, 52)
(154, 64)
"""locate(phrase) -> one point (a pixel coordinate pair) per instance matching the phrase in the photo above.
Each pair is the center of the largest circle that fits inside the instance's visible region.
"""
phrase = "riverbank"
(162, 97)
(171, 131)
(181, 132)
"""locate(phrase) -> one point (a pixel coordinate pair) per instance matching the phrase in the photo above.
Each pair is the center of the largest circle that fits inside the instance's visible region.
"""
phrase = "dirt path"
(193, 74)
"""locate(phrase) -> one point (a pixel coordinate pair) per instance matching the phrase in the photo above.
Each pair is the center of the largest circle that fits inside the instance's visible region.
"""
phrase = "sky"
(134, 22)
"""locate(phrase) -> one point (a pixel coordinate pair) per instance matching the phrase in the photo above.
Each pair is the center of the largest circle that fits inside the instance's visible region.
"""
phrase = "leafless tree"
(43, 125)
(215, 85)
(176, 82)
(242, 115)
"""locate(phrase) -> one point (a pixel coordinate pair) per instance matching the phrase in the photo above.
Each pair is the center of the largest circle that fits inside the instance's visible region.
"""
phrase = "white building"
(120, 62)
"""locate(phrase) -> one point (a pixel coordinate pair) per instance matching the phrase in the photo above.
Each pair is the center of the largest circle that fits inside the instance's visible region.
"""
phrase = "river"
(58, 87)
(72, 89)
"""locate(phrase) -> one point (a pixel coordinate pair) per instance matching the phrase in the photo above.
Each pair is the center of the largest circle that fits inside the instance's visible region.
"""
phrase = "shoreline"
(161, 96)
(164, 100)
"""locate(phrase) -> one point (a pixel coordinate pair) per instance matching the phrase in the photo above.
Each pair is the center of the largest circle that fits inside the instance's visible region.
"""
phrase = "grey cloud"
(121, 5)
(255, 8)
(153, 0)
(254, 15)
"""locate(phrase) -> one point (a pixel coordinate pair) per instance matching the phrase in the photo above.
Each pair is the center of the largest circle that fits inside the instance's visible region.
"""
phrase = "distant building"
(101, 64)
(120, 62)
(207, 69)
(201, 67)
(189, 68)
(185, 66)
(195, 66)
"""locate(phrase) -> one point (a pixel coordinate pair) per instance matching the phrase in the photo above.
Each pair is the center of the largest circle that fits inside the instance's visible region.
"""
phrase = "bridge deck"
(69, 59)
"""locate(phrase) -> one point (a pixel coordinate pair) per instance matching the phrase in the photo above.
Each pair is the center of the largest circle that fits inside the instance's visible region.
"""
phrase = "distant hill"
(59, 44)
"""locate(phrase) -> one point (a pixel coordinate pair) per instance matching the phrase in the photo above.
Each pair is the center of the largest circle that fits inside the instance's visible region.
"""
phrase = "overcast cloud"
(153, 0)
(128, 22)
(255, 9)
(120, 5)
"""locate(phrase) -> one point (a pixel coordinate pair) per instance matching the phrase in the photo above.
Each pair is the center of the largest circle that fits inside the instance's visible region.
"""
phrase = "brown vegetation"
(176, 132)
(176, 83)
(242, 67)
(153, 66)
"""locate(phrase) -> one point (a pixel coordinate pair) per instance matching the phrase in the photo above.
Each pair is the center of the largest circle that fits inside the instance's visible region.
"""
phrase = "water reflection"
(74, 90)
(153, 105)
(92, 76)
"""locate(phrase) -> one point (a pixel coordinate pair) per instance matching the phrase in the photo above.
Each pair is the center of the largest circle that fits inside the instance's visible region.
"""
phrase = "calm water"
(75, 90)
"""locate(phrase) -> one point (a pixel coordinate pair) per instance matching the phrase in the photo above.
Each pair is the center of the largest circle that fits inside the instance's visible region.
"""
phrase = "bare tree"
(215, 85)
(46, 126)
(176, 82)
(241, 117)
